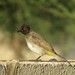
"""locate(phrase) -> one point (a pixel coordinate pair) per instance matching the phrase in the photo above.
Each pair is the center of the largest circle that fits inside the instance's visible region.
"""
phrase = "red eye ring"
(24, 28)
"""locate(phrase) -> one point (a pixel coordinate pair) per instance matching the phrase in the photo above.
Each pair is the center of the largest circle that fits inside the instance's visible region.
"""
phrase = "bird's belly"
(35, 48)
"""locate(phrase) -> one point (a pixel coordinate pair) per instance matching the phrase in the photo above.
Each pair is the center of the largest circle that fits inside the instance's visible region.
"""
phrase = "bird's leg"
(39, 57)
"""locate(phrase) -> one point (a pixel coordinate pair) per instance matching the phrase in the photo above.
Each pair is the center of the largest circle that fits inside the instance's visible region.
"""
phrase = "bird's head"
(25, 29)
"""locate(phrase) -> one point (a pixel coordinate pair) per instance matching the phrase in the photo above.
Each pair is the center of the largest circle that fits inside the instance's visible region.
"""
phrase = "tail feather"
(65, 59)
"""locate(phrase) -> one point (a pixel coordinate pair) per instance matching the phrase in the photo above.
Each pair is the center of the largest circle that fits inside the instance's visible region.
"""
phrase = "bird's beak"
(19, 31)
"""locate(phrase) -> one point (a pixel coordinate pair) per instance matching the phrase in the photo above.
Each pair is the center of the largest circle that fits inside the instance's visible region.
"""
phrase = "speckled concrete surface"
(36, 68)
(3, 69)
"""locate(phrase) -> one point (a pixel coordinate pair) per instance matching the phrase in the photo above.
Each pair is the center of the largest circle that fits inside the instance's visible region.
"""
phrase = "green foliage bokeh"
(53, 19)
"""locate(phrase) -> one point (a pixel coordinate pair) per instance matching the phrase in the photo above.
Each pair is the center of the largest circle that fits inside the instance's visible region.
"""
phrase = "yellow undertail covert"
(49, 53)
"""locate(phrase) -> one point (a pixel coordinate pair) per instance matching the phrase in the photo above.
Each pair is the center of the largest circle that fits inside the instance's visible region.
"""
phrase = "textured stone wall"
(36, 68)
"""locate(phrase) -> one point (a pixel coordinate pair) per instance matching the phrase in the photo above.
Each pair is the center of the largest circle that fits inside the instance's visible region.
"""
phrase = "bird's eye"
(21, 28)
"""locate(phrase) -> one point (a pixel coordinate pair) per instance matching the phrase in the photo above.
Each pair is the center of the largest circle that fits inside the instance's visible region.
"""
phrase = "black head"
(25, 29)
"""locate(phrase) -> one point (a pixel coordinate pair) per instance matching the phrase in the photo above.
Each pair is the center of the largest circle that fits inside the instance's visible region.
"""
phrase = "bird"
(37, 44)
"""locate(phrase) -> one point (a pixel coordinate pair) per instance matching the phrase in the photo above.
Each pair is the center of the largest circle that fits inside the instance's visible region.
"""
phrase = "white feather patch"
(35, 48)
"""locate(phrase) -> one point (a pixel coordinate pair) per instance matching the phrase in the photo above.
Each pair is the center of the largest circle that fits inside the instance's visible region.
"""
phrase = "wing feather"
(36, 38)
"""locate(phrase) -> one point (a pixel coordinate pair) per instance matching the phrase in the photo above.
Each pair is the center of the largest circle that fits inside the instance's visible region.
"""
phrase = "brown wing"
(36, 38)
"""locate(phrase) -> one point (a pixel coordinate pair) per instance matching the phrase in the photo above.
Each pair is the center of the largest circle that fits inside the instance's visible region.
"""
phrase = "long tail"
(64, 59)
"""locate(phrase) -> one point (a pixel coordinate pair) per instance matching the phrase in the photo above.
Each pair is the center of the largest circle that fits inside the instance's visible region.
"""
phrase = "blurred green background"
(54, 20)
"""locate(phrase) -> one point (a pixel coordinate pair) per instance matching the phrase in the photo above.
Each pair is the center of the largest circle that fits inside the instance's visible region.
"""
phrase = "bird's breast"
(35, 48)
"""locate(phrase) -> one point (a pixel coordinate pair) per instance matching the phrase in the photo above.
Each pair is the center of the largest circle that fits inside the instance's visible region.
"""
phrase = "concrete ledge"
(36, 68)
